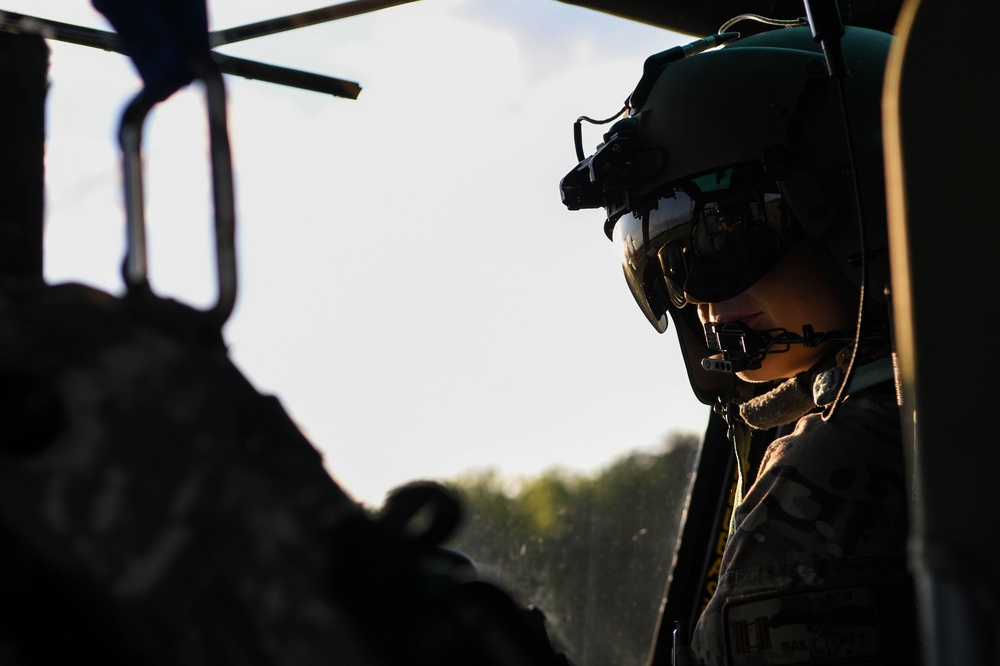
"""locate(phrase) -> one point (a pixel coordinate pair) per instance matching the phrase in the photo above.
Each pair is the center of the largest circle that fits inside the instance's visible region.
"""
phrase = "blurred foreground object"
(932, 92)
(156, 509)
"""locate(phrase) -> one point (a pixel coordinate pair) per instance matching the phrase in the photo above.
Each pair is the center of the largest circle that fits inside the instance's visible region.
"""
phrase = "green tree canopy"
(592, 551)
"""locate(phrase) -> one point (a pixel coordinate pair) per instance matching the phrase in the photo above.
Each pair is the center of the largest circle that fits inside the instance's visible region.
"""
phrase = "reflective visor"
(640, 238)
(708, 238)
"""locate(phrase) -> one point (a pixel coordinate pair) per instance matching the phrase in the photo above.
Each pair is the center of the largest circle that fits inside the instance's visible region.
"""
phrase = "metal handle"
(136, 270)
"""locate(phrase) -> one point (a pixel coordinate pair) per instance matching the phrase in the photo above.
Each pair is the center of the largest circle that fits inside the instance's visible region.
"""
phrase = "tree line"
(591, 551)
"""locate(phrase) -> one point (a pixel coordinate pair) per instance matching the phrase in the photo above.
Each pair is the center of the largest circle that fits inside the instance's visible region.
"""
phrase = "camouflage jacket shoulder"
(815, 569)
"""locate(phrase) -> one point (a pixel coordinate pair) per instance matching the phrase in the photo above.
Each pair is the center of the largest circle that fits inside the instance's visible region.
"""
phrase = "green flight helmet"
(758, 120)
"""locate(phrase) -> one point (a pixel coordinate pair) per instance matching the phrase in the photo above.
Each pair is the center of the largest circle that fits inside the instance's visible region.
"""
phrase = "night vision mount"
(607, 179)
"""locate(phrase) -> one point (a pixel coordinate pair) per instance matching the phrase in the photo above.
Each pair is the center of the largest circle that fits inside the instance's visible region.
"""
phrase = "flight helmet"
(728, 158)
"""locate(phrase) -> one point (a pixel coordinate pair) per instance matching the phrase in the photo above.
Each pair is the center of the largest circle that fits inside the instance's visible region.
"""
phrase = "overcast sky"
(411, 286)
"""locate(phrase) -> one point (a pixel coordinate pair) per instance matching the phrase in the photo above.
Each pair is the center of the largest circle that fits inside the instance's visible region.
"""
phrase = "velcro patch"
(828, 626)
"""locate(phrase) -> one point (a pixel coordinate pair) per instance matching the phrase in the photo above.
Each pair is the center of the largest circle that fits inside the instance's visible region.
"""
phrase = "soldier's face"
(794, 293)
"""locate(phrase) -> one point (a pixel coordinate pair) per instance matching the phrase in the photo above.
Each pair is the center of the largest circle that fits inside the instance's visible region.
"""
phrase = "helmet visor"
(640, 237)
(708, 239)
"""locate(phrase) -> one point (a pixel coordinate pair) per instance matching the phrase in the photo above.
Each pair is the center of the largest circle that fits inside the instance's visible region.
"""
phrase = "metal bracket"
(135, 271)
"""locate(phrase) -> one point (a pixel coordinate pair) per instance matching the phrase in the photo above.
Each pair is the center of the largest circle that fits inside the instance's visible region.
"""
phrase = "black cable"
(827, 28)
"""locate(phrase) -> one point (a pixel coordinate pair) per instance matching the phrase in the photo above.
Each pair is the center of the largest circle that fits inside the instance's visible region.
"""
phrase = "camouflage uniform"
(815, 569)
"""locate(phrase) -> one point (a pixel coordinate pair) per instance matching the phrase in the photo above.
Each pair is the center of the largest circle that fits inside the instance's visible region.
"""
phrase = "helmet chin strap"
(742, 348)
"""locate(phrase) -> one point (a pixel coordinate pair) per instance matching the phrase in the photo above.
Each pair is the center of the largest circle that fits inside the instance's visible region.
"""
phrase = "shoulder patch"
(825, 626)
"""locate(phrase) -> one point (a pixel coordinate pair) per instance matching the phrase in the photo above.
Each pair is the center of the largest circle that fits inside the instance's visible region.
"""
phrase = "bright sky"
(411, 286)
